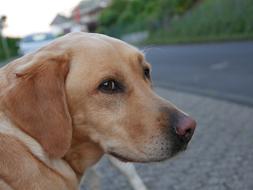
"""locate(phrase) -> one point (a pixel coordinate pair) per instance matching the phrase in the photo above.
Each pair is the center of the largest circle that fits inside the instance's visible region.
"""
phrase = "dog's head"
(96, 87)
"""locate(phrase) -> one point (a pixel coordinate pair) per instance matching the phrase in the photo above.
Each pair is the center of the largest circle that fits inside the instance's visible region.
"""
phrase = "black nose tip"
(185, 128)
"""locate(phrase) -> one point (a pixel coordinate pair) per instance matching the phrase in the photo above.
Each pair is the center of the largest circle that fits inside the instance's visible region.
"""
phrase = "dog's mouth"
(121, 158)
(177, 149)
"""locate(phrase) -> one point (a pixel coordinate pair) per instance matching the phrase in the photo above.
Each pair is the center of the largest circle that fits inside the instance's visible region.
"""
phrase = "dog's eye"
(147, 73)
(111, 86)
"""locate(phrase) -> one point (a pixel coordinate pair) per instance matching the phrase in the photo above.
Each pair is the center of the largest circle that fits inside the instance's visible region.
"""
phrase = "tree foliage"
(124, 16)
(12, 45)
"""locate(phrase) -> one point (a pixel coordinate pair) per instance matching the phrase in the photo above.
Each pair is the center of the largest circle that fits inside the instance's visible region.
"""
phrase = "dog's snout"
(185, 128)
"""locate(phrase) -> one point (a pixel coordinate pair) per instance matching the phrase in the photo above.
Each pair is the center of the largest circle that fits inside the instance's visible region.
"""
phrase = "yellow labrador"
(83, 95)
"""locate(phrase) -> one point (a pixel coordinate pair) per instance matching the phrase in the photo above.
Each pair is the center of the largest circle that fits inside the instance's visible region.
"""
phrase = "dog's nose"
(185, 128)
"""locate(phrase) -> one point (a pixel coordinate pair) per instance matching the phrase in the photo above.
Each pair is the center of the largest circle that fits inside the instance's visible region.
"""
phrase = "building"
(63, 25)
(84, 17)
(87, 13)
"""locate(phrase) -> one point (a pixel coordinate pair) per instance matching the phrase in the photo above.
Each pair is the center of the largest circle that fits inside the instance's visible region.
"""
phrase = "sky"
(31, 16)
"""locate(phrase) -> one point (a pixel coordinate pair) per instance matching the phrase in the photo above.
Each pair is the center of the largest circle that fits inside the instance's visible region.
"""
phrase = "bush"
(124, 16)
(13, 48)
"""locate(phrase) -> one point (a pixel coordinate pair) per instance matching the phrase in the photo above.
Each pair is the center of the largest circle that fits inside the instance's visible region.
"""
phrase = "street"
(221, 70)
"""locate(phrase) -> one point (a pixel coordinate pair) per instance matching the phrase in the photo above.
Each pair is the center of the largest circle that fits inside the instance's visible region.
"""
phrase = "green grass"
(210, 20)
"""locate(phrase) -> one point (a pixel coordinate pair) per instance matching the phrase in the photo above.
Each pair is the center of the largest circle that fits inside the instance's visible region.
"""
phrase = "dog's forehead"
(105, 50)
(131, 55)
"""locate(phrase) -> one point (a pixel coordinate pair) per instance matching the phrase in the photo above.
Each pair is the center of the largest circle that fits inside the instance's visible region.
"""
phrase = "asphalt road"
(222, 70)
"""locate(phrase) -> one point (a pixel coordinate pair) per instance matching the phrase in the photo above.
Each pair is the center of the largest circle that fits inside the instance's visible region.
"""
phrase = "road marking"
(219, 66)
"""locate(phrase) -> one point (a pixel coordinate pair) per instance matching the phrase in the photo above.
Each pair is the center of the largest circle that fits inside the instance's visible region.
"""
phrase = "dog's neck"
(59, 165)
(83, 154)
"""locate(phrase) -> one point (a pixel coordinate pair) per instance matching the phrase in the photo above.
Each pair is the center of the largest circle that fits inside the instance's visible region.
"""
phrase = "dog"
(82, 96)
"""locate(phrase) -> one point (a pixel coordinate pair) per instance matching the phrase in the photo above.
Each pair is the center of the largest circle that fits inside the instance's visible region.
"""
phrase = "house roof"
(59, 19)
(88, 6)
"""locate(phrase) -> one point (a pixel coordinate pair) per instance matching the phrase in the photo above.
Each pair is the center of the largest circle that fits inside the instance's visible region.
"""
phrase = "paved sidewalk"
(220, 156)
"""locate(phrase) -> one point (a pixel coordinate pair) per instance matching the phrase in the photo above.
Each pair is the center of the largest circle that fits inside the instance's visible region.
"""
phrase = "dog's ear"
(36, 102)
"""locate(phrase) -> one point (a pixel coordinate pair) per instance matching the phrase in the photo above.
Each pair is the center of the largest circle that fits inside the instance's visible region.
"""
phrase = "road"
(222, 70)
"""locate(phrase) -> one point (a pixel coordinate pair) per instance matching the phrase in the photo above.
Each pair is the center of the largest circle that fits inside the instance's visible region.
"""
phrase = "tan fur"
(29, 101)
(55, 123)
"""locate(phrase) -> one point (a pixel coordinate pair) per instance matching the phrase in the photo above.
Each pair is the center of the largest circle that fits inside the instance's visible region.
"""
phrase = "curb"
(230, 98)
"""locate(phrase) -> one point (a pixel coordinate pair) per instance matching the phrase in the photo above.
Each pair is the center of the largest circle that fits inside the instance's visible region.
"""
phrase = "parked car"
(33, 42)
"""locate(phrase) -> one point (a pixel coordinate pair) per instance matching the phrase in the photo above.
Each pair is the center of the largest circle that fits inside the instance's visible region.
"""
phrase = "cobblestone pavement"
(219, 157)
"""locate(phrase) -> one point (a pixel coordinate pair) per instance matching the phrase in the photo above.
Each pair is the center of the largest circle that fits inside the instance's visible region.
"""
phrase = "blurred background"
(201, 52)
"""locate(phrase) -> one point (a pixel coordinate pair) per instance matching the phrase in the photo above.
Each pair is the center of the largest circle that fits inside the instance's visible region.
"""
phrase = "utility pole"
(3, 39)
